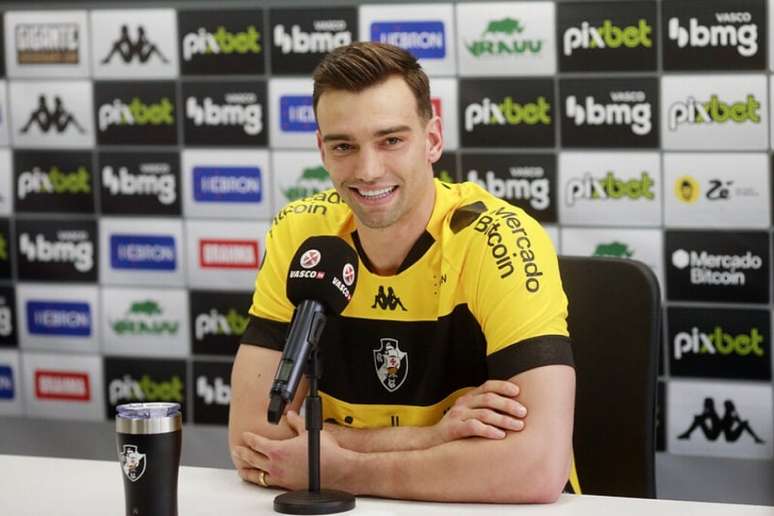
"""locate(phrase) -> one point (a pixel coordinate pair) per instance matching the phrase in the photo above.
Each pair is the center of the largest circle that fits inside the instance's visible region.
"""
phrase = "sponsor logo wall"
(144, 153)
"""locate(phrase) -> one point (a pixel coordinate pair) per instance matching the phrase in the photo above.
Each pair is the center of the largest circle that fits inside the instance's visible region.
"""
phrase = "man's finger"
(251, 458)
(258, 442)
(498, 420)
(503, 387)
(477, 428)
(499, 403)
(296, 422)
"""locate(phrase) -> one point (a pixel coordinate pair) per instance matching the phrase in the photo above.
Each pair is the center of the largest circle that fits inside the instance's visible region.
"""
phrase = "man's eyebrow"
(390, 130)
(337, 137)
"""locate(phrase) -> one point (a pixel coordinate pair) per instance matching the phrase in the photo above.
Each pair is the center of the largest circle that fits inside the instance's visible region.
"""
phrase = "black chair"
(615, 324)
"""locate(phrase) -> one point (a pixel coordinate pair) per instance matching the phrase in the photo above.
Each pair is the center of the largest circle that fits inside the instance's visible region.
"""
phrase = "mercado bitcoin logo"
(687, 189)
(142, 113)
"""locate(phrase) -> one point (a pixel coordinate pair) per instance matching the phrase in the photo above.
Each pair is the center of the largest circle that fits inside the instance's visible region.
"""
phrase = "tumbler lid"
(148, 418)
(148, 410)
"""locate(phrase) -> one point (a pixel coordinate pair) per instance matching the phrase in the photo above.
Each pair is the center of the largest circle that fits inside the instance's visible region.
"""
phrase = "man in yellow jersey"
(457, 325)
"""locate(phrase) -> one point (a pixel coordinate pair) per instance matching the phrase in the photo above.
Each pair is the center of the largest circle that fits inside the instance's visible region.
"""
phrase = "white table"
(42, 486)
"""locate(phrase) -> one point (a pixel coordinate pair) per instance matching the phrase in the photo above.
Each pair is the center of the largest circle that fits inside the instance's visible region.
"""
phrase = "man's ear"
(434, 139)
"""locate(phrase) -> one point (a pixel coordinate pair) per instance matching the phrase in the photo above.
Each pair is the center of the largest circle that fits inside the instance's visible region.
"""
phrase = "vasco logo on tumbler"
(239, 109)
(627, 108)
(132, 462)
(70, 247)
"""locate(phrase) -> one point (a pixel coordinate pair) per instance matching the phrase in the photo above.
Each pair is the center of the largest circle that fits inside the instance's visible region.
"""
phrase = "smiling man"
(458, 323)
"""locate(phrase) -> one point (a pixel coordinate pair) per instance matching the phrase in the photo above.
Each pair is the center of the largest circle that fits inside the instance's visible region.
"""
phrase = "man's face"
(378, 151)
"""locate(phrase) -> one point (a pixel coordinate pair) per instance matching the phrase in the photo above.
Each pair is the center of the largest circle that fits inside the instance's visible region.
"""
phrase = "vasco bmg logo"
(712, 425)
(141, 113)
(56, 250)
(391, 364)
(140, 183)
(57, 117)
(138, 48)
(387, 300)
(231, 113)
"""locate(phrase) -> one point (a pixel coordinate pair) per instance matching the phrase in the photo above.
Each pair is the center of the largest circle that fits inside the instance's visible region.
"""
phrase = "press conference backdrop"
(146, 151)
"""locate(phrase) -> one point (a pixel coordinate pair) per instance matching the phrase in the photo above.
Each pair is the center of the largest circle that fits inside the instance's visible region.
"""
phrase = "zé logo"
(687, 189)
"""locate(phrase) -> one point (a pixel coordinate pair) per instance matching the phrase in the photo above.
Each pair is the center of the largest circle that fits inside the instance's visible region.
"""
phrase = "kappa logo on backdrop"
(731, 426)
(55, 181)
(630, 108)
(59, 118)
(609, 187)
(143, 252)
(504, 38)
(136, 113)
(216, 323)
(297, 114)
(614, 249)
(62, 385)
(718, 342)
(713, 111)
(328, 34)
(144, 318)
(154, 179)
(733, 29)
(607, 35)
(7, 390)
(240, 109)
(70, 247)
(313, 180)
(47, 43)
(424, 39)
(525, 183)
(716, 269)
(228, 254)
(218, 393)
(128, 389)
(128, 49)
(221, 41)
(63, 318)
(507, 112)
(232, 184)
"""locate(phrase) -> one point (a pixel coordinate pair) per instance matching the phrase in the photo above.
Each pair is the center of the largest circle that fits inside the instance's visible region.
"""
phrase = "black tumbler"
(149, 440)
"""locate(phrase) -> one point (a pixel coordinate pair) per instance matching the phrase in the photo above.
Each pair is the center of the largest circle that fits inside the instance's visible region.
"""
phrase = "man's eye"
(342, 147)
(393, 140)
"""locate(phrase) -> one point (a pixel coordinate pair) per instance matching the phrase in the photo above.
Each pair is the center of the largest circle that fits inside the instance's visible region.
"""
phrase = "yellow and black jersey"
(478, 297)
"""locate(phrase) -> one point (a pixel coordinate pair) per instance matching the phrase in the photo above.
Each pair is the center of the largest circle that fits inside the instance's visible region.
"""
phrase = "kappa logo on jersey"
(609, 188)
(128, 389)
(713, 111)
(240, 109)
(133, 462)
(607, 35)
(328, 34)
(716, 269)
(507, 112)
(55, 181)
(525, 183)
(629, 108)
(154, 179)
(136, 113)
(387, 300)
(614, 250)
(227, 184)
(144, 318)
(7, 391)
(59, 118)
(297, 114)
(717, 342)
(218, 393)
(62, 385)
(47, 43)
(62, 318)
(687, 189)
(70, 247)
(391, 364)
(143, 252)
(228, 254)
(503, 38)
(313, 180)
(140, 49)
(733, 29)
(216, 323)
(424, 39)
(221, 41)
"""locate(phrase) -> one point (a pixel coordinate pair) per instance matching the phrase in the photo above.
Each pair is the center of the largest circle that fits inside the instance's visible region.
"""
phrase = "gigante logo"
(503, 37)
(627, 108)
(145, 389)
(46, 43)
(313, 180)
(71, 246)
(717, 342)
(136, 113)
(716, 269)
(62, 385)
(713, 111)
(144, 318)
(65, 318)
(507, 112)
(424, 39)
(734, 29)
(607, 36)
(54, 181)
(525, 183)
(216, 323)
(328, 35)
(154, 179)
(221, 42)
(609, 187)
(241, 108)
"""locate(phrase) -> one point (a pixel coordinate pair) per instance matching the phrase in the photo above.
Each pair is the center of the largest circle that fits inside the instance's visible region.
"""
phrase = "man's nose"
(369, 167)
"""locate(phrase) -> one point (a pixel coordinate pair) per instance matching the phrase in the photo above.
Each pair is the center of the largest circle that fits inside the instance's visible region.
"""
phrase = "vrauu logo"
(718, 343)
(143, 252)
(154, 179)
(424, 39)
(716, 269)
(7, 391)
(329, 34)
(144, 318)
(46, 43)
(525, 183)
(238, 184)
(145, 389)
(62, 385)
(297, 114)
(503, 38)
(221, 41)
(313, 180)
(228, 254)
(54, 181)
(609, 188)
(59, 318)
(70, 246)
(136, 113)
(734, 29)
(713, 111)
(215, 323)
(240, 109)
(507, 112)
(607, 35)
(627, 108)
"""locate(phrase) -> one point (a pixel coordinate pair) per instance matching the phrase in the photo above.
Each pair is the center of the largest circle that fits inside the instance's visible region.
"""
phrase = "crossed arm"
(481, 451)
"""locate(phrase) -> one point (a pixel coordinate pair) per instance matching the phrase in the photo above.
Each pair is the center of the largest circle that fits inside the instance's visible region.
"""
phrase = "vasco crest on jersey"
(391, 364)
(132, 462)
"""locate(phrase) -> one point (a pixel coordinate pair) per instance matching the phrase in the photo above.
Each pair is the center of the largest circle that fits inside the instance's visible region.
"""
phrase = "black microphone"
(321, 280)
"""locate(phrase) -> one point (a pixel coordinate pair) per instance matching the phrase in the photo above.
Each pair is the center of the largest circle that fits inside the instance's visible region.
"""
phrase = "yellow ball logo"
(687, 189)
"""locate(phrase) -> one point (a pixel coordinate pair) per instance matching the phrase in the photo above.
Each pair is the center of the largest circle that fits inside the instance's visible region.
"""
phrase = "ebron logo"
(734, 29)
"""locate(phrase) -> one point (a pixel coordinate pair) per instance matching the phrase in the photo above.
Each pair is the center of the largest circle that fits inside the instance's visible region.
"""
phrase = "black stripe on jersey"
(529, 354)
(265, 333)
(417, 251)
(464, 216)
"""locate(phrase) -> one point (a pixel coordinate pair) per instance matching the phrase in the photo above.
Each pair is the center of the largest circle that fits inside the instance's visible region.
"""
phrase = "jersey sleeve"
(516, 294)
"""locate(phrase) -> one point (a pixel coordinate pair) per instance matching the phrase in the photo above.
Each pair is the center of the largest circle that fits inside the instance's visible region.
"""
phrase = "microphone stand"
(314, 500)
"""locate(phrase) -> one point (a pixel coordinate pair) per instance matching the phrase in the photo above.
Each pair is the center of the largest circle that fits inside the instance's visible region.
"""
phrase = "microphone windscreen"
(323, 269)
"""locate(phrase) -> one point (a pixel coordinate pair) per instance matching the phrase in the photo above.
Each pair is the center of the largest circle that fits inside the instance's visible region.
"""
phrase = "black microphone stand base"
(324, 501)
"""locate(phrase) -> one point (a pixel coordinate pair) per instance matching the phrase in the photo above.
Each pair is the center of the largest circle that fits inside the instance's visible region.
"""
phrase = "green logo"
(144, 318)
(445, 176)
(239, 42)
(614, 249)
(313, 180)
(501, 37)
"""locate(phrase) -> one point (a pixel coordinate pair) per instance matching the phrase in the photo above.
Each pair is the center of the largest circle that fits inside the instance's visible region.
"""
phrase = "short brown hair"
(364, 64)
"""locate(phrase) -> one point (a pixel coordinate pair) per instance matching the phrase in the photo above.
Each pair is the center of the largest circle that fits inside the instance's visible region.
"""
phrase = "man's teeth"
(375, 193)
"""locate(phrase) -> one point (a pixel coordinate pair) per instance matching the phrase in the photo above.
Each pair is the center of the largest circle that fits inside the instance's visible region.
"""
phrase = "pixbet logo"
(55, 181)
(154, 179)
(70, 319)
(240, 109)
(71, 246)
(328, 35)
(629, 108)
(525, 183)
(221, 42)
(607, 35)
(716, 269)
(143, 252)
(218, 393)
(7, 391)
(734, 29)
(713, 111)
(227, 184)
(216, 323)
(717, 342)
(136, 113)
(46, 43)
(128, 388)
(609, 188)
(424, 39)
(297, 114)
(228, 254)
(62, 385)
(507, 112)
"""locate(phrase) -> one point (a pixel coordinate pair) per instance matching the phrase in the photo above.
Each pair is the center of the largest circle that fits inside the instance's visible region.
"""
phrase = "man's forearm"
(391, 438)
